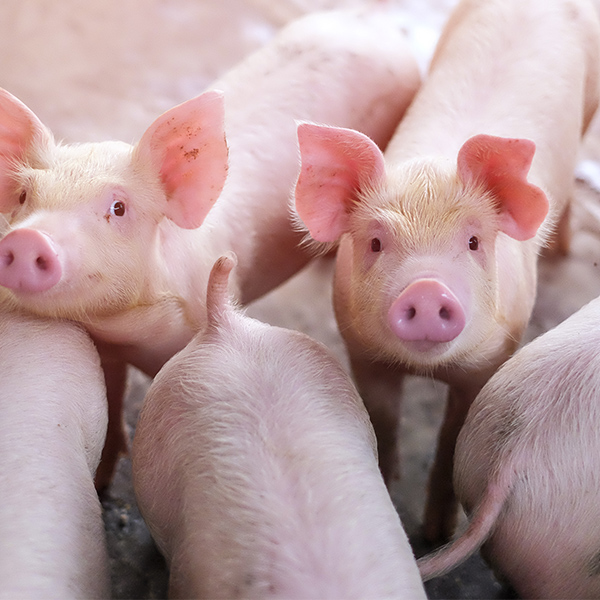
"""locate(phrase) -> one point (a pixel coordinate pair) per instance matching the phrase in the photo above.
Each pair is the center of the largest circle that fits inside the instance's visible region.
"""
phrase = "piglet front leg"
(379, 386)
(116, 444)
(441, 505)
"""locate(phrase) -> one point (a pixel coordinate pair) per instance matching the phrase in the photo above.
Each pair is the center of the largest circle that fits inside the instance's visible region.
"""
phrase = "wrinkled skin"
(438, 238)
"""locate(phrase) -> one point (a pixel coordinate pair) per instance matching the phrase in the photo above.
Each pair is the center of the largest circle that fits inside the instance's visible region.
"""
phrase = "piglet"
(53, 415)
(122, 238)
(254, 465)
(438, 240)
(526, 466)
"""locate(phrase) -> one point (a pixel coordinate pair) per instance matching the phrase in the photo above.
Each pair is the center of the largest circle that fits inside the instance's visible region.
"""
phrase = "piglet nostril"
(8, 258)
(42, 263)
(445, 314)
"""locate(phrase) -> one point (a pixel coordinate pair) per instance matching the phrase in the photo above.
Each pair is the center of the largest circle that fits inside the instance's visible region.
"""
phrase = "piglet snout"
(427, 311)
(28, 261)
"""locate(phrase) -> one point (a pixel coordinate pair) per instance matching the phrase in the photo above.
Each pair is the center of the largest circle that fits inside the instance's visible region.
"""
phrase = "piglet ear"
(19, 129)
(187, 146)
(502, 164)
(336, 165)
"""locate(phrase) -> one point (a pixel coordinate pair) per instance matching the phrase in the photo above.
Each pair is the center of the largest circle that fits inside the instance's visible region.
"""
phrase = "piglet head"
(433, 310)
(85, 221)
(416, 275)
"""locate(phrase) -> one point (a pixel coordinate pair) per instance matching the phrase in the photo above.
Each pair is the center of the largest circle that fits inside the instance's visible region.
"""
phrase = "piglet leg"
(380, 388)
(441, 506)
(115, 374)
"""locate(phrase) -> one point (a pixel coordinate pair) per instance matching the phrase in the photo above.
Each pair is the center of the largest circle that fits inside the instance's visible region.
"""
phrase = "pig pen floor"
(304, 303)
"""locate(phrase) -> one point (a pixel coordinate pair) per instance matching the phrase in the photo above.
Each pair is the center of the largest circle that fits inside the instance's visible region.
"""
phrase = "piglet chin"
(426, 346)
(421, 356)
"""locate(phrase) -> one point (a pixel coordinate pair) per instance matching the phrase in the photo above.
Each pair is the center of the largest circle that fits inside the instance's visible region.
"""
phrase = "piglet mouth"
(426, 346)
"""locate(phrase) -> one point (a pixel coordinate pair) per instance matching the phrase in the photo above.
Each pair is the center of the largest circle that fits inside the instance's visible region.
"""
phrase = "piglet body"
(53, 414)
(254, 466)
(526, 467)
(438, 240)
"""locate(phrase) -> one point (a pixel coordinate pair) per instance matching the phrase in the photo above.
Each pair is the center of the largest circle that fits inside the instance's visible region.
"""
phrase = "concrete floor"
(105, 69)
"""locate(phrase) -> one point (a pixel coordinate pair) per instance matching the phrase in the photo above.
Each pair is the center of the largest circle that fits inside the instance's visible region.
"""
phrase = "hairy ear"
(501, 165)
(336, 164)
(186, 146)
(19, 130)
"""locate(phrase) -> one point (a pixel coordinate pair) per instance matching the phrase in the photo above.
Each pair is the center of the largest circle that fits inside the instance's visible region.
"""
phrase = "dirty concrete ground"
(105, 69)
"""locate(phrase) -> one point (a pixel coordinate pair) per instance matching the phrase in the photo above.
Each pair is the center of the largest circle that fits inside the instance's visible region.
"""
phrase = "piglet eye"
(117, 208)
(375, 245)
(473, 242)
(23, 197)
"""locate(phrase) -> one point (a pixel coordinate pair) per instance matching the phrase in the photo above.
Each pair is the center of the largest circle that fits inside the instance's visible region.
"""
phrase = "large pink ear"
(336, 164)
(502, 164)
(187, 146)
(19, 127)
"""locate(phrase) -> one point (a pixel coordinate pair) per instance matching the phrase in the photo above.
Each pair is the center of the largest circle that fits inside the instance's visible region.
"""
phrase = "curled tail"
(477, 532)
(217, 294)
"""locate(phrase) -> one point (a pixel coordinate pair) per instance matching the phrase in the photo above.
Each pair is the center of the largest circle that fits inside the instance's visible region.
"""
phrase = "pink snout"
(427, 311)
(28, 261)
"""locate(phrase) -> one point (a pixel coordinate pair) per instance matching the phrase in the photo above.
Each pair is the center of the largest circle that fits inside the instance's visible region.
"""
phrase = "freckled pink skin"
(435, 187)
(527, 469)
(53, 413)
(254, 466)
(137, 281)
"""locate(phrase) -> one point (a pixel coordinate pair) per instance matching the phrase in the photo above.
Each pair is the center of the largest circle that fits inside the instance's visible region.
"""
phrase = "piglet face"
(85, 222)
(417, 273)
(80, 234)
(420, 267)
